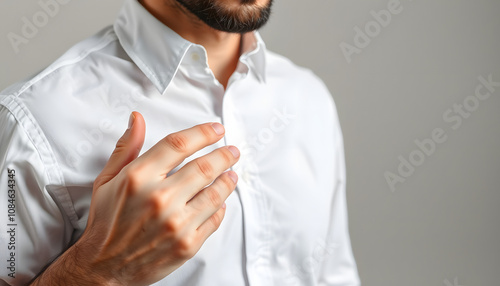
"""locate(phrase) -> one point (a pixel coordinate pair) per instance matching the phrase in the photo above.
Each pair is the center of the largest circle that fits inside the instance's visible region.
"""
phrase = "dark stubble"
(245, 18)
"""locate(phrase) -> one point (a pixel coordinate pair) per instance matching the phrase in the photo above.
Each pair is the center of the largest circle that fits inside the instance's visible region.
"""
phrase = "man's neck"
(223, 49)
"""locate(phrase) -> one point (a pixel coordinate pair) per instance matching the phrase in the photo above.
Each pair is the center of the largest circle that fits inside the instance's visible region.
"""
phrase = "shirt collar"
(158, 51)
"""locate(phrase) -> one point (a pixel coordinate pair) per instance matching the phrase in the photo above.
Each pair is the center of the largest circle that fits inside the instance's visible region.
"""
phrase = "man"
(186, 66)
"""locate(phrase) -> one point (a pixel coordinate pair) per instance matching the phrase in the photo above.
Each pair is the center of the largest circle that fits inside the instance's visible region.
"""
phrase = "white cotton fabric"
(286, 222)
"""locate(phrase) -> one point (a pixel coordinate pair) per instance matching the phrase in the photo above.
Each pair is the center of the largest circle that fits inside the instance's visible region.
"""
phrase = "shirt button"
(195, 57)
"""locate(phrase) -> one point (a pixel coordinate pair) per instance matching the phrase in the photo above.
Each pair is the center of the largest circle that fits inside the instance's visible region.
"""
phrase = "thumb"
(127, 149)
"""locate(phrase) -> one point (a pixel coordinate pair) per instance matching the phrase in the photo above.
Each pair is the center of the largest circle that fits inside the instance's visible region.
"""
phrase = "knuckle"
(216, 219)
(213, 197)
(100, 180)
(227, 182)
(207, 131)
(121, 144)
(131, 179)
(177, 142)
(226, 156)
(205, 169)
(156, 204)
(173, 225)
(185, 247)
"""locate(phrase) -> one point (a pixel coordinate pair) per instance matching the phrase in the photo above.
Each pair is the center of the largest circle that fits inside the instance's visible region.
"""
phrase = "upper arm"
(338, 266)
(34, 230)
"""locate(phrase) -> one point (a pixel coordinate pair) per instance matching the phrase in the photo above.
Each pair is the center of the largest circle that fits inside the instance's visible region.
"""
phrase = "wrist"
(73, 267)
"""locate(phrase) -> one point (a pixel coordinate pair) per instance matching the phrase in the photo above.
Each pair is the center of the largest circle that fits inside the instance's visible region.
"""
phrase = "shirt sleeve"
(33, 228)
(338, 266)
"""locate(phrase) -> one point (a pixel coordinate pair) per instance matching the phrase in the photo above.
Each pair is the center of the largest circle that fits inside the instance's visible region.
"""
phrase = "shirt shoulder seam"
(53, 171)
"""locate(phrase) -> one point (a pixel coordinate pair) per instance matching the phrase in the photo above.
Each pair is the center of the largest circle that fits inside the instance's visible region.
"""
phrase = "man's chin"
(248, 15)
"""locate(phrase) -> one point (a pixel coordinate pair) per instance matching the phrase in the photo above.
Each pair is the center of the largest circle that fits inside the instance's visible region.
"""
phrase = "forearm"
(72, 270)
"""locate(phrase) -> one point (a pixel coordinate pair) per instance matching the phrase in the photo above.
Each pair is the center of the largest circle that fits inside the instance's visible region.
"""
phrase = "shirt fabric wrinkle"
(282, 226)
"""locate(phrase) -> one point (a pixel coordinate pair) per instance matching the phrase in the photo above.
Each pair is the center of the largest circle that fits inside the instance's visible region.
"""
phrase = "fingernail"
(233, 176)
(218, 128)
(234, 151)
(224, 206)
(131, 120)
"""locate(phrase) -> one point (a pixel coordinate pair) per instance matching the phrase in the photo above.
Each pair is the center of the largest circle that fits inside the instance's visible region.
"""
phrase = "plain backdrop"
(441, 225)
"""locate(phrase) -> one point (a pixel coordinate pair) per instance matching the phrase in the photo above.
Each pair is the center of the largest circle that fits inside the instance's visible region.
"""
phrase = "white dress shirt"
(286, 222)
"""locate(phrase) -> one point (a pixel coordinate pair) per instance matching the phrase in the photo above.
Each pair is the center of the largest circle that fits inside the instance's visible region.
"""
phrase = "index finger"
(174, 148)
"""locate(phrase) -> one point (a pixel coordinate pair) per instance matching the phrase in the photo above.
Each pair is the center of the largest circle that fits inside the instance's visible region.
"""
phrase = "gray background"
(439, 227)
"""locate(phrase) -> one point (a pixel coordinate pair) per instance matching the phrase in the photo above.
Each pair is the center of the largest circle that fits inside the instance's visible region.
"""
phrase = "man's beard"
(245, 18)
